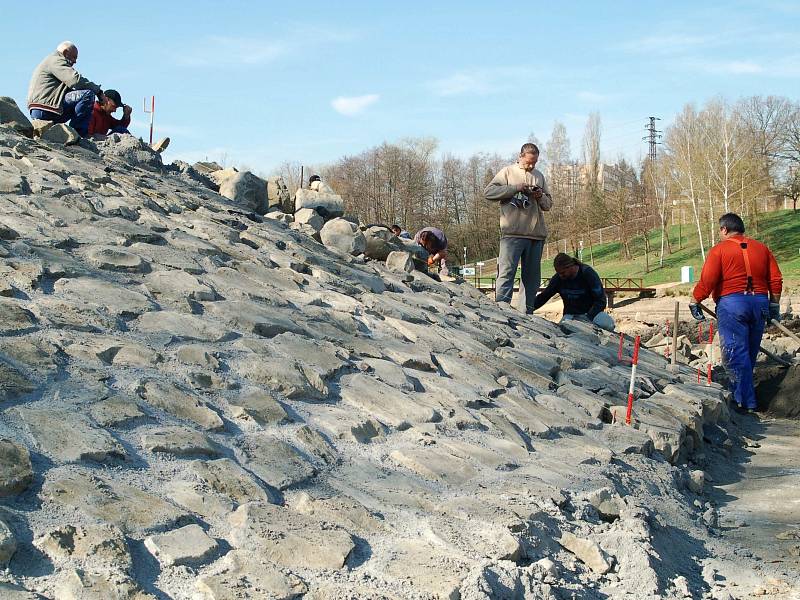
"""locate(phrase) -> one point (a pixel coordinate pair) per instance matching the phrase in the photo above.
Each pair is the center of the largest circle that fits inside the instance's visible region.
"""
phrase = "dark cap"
(114, 96)
(314, 178)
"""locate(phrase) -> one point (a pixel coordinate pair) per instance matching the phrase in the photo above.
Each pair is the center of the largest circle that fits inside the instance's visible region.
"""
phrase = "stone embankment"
(206, 396)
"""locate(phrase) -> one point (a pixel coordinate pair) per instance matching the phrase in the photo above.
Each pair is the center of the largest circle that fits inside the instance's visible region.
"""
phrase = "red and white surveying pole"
(152, 112)
(634, 363)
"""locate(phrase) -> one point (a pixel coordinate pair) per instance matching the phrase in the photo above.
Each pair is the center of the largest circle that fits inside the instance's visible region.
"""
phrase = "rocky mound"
(201, 402)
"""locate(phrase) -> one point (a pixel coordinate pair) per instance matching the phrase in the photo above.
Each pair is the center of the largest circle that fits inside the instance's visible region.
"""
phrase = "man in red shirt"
(102, 122)
(743, 277)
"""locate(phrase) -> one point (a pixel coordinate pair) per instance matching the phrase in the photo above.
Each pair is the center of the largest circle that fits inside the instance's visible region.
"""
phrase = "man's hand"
(522, 187)
(774, 311)
(126, 110)
(534, 191)
(431, 261)
(696, 311)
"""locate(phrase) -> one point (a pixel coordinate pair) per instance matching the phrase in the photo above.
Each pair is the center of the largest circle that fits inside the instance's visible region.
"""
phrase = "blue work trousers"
(514, 250)
(741, 319)
(75, 108)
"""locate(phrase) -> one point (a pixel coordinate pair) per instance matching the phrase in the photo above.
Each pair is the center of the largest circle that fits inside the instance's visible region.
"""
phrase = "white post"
(152, 112)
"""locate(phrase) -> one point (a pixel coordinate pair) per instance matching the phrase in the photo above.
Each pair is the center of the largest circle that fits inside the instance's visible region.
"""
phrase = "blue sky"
(261, 83)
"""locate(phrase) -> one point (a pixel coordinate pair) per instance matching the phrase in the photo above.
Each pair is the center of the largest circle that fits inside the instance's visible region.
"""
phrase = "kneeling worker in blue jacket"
(580, 289)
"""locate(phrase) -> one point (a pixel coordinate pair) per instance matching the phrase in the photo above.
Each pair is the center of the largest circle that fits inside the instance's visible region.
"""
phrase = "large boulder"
(186, 170)
(417, 252)
(310, 217)
(326, 204)
(56, 133)
(220, 176)
(206, 167)
(400, 262)
(380, 242)
(131, 150)
(278, 194)
(247, 190)
(344, 236)
(11, 115)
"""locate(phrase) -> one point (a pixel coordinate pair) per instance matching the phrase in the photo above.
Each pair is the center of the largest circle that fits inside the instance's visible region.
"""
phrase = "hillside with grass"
(779, 230)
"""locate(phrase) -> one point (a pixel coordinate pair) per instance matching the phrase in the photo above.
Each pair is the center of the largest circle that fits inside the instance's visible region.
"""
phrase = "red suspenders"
(743, 245)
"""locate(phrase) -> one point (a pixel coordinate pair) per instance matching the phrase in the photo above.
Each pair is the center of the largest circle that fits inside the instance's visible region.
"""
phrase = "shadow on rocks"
(672, 548)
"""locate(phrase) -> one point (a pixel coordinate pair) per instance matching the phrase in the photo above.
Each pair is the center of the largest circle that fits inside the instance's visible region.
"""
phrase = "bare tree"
(290, 172)
(791, 187)
(682, 141)
(654, 175)
(591, 152)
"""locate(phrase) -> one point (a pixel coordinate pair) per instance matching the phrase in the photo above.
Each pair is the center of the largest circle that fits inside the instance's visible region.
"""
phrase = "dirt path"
(758, 501)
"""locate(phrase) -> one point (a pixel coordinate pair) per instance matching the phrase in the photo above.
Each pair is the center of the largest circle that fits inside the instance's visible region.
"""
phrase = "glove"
(774, 311)
(431, 261)
(697, 312)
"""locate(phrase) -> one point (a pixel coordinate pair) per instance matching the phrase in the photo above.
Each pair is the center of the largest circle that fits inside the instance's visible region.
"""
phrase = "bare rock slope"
(200, 402)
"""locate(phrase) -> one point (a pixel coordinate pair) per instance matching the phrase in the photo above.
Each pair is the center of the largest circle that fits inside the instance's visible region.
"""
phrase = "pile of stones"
(205, 396)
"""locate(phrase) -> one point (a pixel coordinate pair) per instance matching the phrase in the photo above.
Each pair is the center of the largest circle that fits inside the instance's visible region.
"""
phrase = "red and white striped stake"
(152, 112)
(634, 363)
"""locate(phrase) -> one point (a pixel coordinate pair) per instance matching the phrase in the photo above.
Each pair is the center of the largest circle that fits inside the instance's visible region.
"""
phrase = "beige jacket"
(516, 222)
(51, 81)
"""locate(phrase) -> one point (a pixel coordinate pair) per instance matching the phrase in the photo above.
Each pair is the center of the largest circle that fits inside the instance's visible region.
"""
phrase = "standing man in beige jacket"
(523, 196)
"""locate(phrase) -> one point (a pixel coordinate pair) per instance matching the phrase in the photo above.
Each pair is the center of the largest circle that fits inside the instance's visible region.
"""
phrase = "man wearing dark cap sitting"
(581, 290)
(102, 122)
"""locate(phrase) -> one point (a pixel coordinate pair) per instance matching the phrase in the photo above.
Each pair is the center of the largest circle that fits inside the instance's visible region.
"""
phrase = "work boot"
(161, 145)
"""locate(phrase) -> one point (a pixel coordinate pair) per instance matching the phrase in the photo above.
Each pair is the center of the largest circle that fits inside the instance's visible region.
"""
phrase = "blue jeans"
(119, 129)
(75, 108)
(512, 251)
(741, 319)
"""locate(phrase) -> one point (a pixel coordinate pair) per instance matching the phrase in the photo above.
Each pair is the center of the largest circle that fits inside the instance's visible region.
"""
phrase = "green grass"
(779, 230)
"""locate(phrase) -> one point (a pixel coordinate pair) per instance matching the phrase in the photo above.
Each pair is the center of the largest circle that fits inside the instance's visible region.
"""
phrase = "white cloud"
(669, 43)
(729, 67)
(461, 83)
(353, 105)
(593, 97)
(224, 51)
(230, 51)
(482, 81)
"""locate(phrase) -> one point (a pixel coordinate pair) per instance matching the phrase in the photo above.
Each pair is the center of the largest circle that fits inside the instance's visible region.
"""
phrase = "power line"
(652, 136)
